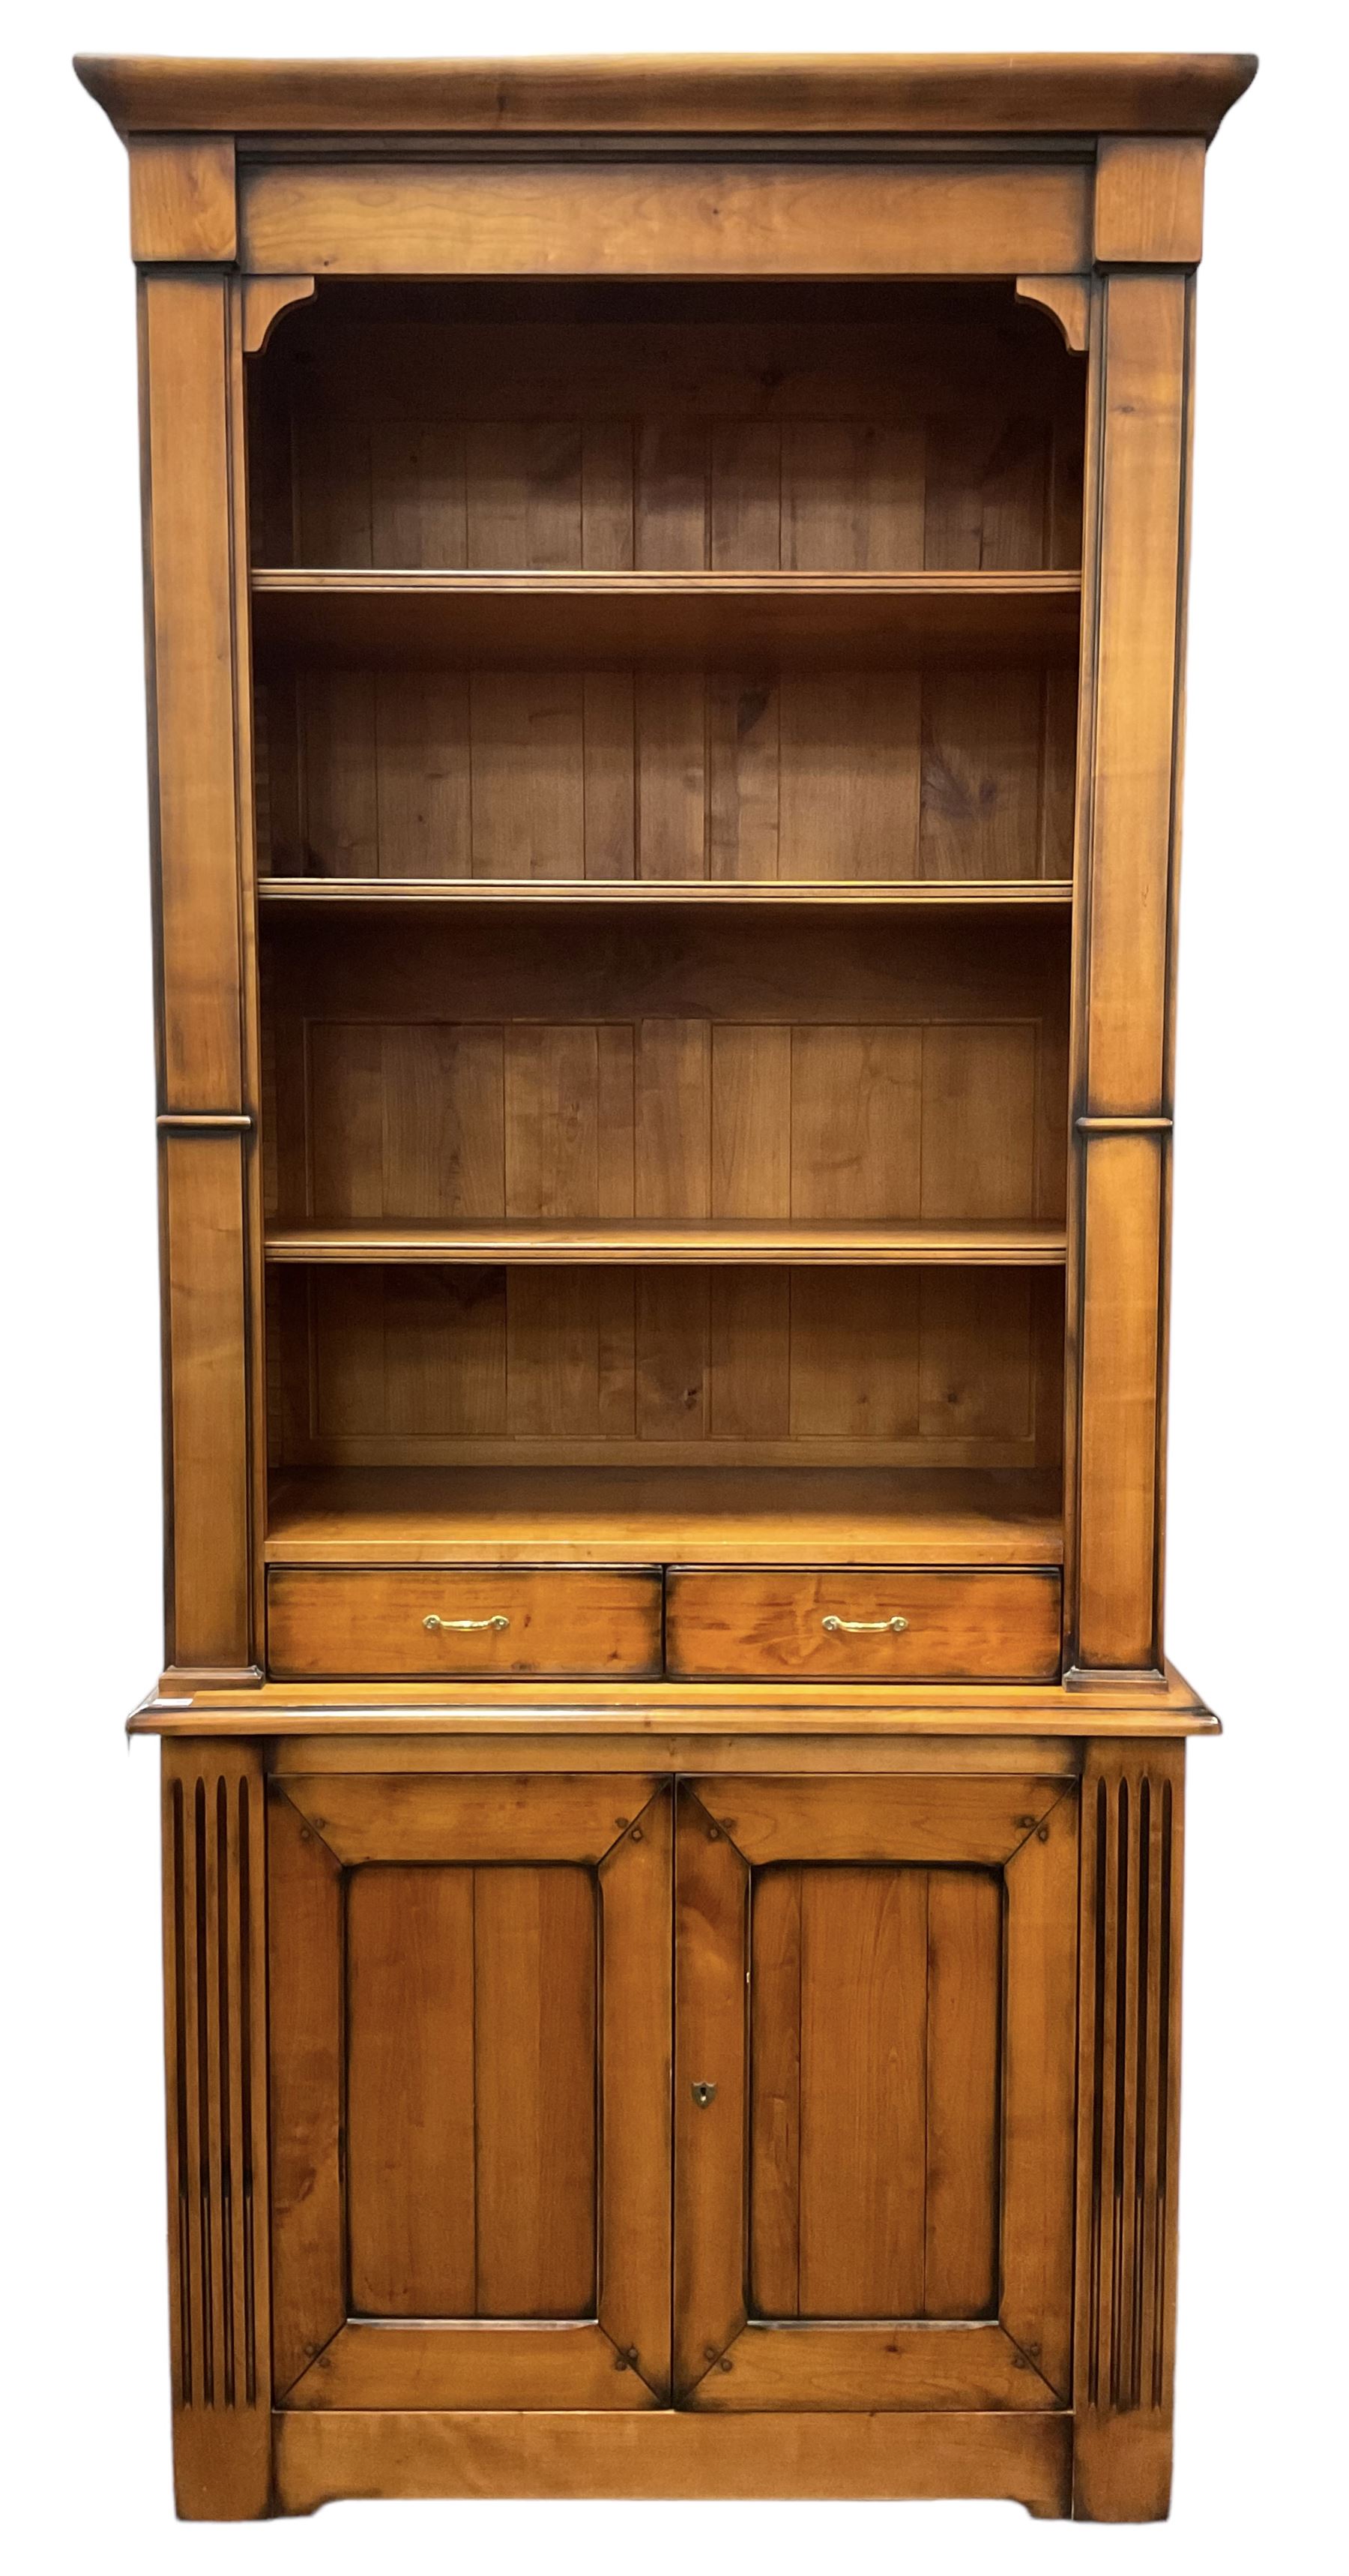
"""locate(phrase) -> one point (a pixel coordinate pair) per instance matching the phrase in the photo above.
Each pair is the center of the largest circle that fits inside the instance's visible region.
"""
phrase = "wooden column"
(1128, 2130)
(1128, 850)
(188, 361)
(215, 2032)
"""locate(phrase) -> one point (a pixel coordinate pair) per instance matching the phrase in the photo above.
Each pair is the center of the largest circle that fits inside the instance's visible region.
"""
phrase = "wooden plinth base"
(321, 2456)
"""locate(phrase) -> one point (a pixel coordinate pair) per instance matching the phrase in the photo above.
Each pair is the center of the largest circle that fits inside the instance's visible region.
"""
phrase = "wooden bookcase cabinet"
(664, 588)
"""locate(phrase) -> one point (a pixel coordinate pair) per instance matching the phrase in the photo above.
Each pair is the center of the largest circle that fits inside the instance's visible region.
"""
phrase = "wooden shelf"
(652, 1516)
(928, 894)
(364, 617)
(1039, 1246)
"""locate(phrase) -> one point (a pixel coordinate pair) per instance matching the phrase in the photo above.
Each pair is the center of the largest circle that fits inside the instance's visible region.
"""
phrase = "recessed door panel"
(884, 2133)
(470, 2082)
(874, 2091)
(471, 2091)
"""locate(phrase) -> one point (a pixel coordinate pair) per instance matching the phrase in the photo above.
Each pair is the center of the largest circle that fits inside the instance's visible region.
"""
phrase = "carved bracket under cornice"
(1068, 299)
(265, 300)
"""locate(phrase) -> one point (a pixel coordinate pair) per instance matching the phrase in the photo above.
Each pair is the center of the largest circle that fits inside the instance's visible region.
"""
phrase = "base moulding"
(322, 2456)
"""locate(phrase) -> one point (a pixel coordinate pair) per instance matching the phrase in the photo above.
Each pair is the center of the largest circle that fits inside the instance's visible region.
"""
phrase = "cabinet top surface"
(895, 94)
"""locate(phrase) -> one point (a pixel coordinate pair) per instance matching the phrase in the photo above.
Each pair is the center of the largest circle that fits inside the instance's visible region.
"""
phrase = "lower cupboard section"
(639, 2133)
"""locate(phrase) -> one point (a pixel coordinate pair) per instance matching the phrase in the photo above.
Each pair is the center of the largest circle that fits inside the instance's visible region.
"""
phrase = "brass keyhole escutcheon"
(703, 2094)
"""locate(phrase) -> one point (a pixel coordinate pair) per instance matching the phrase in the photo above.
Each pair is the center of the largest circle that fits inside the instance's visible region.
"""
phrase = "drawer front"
(802, 1623)
(331, 1623)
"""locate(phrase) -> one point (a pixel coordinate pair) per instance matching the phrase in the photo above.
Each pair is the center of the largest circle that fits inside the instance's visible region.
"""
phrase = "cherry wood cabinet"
(665, 589)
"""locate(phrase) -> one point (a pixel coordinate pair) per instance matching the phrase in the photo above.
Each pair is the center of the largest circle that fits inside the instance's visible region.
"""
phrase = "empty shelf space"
(351, 893)
(1034, 1245)
(539, 616)
(610, 1515)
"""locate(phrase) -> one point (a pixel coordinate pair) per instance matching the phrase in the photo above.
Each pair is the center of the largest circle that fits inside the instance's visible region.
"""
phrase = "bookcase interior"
(680, 1228)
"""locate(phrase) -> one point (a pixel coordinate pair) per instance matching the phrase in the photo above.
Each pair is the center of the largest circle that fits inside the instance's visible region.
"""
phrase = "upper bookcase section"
(888, 166)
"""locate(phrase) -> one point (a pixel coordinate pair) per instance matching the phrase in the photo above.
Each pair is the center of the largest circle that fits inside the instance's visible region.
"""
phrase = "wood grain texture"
(535, 1976)
(428, 2365)
(186, 363)
(863, 2068)
(990, 1626)
(488, 1822)
(182, 197)
(411, 2106)
(215, 2036)
(1123, 1392)
(962, 2146)
(323, 1621)
(913, 1820)
(1161, 1711)
(950, 1364)
(265, 299)
(636, 1881)
(888, 93)
(1129, 862)
(699, 656)
(1149, 199)
(559, 1744)
(1036, 2303)
(673, 2454)
(470, 2083)
(711, 1929)
(201, 1179)
(826, 1515)
(717, 220)
(1145, 408)
(680, 433)
(954, 775)
(1128, 2131)
(1067, 298)
(417, 620)
(980, 1240)
(305, 2063)
(381, 894)
(880, 2367)
(910, 2140)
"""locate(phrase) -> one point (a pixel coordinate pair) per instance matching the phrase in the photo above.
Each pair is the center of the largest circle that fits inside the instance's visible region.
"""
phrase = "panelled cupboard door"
(875, 2005)
(470, 2091)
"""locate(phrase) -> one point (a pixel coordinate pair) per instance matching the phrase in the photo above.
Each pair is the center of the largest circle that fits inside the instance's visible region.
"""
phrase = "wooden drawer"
(339, 1622)
(769, 1622)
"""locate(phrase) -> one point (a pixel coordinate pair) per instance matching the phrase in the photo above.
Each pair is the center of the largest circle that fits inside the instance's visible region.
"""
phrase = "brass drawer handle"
(498, 1620)
(862, 1627)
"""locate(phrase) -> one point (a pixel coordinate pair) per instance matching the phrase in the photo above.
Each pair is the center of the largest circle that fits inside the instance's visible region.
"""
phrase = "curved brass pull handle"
(497, 1620)
(862, 1627)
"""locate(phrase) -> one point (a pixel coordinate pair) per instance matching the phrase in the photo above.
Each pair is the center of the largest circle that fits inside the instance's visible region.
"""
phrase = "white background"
(1257, 1597)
